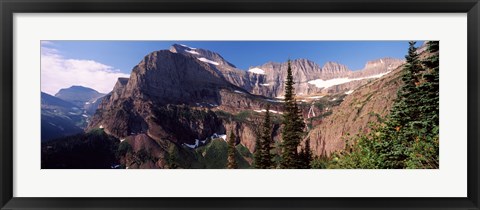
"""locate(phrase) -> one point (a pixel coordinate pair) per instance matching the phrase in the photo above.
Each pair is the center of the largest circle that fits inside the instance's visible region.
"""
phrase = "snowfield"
(265, 84)
(338, 81)
(264, 110)
(349, 92)
(192, 52)
(188, 47)
(257, 71)
(208, 61)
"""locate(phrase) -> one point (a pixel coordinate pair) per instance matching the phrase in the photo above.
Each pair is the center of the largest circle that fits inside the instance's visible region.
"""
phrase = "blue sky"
(123, 55)
(97, 64)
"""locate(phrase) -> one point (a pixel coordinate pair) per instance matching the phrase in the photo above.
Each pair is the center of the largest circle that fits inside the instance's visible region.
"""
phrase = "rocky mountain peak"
(382, 62)
(333, 67)
(122, 81)
(305, 64)
(78, 95)
(385, 64)
(166, 76)
(203, 55)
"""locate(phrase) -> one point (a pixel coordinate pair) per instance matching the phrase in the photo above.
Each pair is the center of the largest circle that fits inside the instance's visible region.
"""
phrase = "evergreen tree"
(404, 109)
(404, 114)
(232, 162)
(425, 148)
(409, 138)
(293, 126)
(306, 155)
(430, 104)
(263, 158)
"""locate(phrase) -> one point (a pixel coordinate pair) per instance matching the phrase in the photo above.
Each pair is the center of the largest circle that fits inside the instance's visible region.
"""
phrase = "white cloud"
(45, 43)
(58, 72)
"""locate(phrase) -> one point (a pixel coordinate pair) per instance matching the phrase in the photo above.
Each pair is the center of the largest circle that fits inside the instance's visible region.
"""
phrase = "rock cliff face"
(268, 79)
(172, 96)
(167, 77)
(366, 104)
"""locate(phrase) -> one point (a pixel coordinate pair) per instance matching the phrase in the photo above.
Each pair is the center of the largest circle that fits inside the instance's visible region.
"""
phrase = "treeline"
(409, 136)
(292, 134)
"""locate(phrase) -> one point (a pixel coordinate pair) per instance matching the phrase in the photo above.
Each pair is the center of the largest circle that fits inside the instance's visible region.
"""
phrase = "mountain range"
(179, 97)
(67, 112)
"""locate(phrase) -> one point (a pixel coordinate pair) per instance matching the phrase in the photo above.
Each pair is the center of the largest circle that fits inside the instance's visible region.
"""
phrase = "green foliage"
(306, 156)
(243, 152)
(123, 149)
(263, 156)
(293, 126)
(322, 162)
(179, 157)
(409, 136)
(214, 155)
(232, 161)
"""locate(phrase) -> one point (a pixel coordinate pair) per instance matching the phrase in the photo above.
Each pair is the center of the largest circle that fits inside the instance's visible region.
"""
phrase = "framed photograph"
(239, 105)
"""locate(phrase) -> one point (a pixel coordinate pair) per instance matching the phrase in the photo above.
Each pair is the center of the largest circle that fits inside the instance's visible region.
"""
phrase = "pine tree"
(404, 119)
(404, 109)
(232, 162)
(424, 151)
(306, 155)
(263, 157)
(293, 126)
(410, 135)
(430, 104)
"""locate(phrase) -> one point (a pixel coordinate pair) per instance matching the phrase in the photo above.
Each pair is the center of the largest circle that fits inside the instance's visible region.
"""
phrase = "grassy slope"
(211, 156)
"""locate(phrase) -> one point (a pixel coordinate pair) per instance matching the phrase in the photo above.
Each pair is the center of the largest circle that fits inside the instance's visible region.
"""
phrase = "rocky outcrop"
(366, 104)
(171, 97)
(377, 67)
(268, 79)
(271, 83)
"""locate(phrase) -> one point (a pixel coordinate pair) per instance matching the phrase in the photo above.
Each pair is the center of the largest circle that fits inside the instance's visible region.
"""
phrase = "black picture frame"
(10, 7)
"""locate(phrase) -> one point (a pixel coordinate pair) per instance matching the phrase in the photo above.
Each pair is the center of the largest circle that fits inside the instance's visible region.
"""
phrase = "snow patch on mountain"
(349, 92)
(188, 47)
(264, 110)
(192, 52)
(338, 81)
(208, 61)
(199, 143)
(257, 71)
